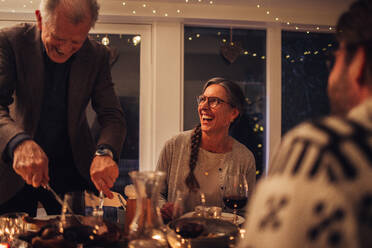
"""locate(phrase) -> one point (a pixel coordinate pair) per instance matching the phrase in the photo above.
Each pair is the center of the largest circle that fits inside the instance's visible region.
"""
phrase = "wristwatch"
(104, 152)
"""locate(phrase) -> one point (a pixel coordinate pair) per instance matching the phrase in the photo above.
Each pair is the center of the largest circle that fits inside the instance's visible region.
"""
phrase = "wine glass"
(235, 193)
(79, 226)
(187, 227)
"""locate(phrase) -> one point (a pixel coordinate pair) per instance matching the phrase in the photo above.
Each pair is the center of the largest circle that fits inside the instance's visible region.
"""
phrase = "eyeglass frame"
(209, 98)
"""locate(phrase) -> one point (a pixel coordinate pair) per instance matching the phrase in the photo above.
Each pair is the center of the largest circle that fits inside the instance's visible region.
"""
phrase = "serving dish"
(216, 233)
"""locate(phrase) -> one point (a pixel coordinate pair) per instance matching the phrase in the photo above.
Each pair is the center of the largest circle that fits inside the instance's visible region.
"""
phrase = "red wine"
(235, 202)
(189, 229)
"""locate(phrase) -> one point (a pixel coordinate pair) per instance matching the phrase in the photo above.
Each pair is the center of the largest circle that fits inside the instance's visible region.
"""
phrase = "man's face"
(341, 90)
(60, 37)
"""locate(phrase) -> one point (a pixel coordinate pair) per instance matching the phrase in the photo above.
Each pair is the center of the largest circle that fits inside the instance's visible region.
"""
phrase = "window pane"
(125, 71)
(304, 76)
(204, 59)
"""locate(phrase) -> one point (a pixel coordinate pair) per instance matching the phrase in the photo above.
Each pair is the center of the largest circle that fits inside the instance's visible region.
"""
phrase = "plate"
(217, 233)
(224, 216)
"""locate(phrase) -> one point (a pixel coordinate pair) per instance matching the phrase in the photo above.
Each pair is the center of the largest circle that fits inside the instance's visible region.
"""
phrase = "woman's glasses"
(213, 102)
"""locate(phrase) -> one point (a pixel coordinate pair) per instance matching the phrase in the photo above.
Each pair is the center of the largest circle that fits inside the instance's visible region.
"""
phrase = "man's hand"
(104, 172)
(31, 163)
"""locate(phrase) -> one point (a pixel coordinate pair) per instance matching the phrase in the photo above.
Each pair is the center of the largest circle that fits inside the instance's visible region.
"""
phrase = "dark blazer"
(21, 94)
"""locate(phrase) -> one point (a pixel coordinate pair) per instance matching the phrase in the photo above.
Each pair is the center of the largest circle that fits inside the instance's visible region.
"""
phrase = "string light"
(105, 41)
(154, 11)
(178, 11)
(134, 12)
(124, 3)
(210, 2)
(144, 5)
(136, 40)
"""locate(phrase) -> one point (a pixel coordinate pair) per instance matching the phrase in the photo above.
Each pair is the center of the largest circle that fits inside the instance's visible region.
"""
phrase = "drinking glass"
(235, 193)
(12, 225)
(187, 227)
(79, 226)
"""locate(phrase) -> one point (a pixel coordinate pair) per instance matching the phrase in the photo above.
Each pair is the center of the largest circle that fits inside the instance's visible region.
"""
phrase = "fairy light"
(258, 6)
(166, 14)
(105, 41)
(246, 52)
(124, 3)
(210, 2)
(276, 18)
(134, 12)
(144, 5)
(178, 11)
(136, 40)
(154, 11)
(267, 12)
(197, 35)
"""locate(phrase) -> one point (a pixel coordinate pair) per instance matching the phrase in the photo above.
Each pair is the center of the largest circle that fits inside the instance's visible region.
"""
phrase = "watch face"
(103, 152)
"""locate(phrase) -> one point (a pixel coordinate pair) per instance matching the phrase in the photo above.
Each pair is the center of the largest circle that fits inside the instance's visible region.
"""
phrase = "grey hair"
(77, 11)
(234, 92)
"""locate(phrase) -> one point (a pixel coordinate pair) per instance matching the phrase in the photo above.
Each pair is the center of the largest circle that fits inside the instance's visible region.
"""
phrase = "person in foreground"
(48, 74)
(319, 189)
(195, 161)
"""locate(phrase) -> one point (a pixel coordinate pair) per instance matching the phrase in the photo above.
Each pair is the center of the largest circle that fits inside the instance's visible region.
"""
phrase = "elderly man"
(319, 189)
(48, 74)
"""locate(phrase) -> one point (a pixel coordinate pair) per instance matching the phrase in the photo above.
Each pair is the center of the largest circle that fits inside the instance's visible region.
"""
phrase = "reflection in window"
(125, 71)
(304, 76)
(210, 53)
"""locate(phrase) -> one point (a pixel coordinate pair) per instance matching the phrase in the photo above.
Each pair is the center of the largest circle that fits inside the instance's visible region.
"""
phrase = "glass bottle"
(147, 228)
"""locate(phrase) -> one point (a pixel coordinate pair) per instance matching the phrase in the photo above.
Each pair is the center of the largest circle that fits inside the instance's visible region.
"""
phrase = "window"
(304, 76)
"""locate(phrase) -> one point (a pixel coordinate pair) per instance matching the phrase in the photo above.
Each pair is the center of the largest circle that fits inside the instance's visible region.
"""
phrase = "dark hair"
(354, 29)
(236, 99)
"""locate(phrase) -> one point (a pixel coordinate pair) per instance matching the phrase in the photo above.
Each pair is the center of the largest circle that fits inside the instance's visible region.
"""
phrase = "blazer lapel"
(33, 79)
(79, 82)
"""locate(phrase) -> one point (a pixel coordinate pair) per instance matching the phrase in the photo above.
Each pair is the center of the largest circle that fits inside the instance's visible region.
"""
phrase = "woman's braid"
(191, 181)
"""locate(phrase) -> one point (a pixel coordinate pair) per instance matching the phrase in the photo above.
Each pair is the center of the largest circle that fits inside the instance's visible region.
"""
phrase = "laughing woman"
(196, 160)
